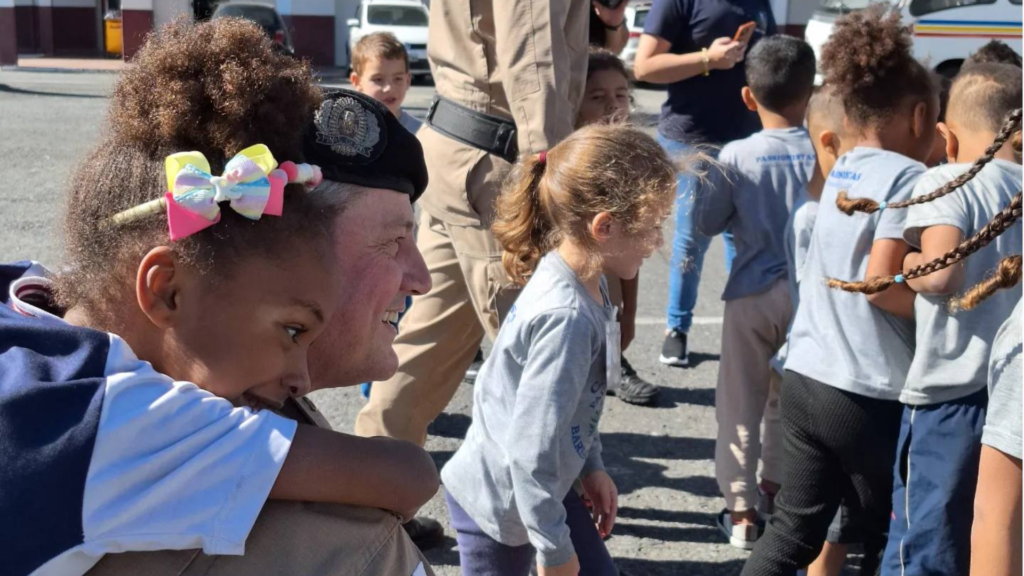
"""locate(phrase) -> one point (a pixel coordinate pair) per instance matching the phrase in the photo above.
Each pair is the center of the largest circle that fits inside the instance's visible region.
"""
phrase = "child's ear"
(601, 226)
(829, 141)
(952, 143)
(748, 99)
(353, 78)
(157, 286)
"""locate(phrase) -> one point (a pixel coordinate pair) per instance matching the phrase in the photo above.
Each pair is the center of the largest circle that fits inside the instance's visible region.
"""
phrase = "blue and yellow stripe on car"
(967, 29)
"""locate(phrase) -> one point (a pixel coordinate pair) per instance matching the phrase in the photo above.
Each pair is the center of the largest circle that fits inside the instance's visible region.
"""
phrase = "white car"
(945, 31)
(636, 15)
(406, 19)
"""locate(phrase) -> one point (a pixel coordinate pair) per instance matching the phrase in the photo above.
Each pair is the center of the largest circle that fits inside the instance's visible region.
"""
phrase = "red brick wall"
(313, 37)
(74, 30)
(8, 37)
(135, 25)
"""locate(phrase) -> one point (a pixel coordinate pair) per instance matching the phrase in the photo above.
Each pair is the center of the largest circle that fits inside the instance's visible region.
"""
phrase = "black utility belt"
(491, 134)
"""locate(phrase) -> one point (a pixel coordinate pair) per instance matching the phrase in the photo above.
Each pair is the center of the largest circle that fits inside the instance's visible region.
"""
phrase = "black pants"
(837, 445)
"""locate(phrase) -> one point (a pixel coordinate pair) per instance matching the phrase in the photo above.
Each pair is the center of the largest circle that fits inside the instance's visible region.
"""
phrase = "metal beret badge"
(351, 129)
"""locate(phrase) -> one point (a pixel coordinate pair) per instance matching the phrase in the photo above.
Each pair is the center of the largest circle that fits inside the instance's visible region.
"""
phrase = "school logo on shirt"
(577, 441)
(786, 159)
(848, 175)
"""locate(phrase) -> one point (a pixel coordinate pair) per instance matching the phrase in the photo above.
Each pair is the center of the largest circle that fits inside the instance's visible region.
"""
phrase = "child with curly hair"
(945, 396)
(848, 356)
(138, 386)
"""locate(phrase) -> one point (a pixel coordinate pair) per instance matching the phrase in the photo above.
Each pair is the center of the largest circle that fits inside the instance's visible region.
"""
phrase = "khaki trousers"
(754, 328)
(440, 334)
(293, 539)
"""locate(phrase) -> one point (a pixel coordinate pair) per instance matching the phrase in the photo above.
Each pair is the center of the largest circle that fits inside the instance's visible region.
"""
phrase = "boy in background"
(380, 69)
(764, 177)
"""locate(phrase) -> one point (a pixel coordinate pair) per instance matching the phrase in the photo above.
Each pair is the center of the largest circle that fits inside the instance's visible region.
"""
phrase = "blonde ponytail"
(522, 227)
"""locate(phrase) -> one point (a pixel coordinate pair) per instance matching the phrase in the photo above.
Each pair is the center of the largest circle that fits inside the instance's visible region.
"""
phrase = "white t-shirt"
(1003, 418)
(103, 454)
(951, 359)
(839, 338)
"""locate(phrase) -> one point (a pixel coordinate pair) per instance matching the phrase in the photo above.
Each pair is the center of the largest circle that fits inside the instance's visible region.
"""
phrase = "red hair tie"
(543, 157)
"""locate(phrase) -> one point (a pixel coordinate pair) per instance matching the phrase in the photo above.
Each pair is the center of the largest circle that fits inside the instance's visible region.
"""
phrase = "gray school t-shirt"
(839, 338)
(798, 242)
(951, 359)
(763, 177)
(1003, 419)
(536, 408)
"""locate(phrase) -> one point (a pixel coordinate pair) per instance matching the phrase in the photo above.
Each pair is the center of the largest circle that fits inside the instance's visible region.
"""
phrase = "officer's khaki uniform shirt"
(524, 61)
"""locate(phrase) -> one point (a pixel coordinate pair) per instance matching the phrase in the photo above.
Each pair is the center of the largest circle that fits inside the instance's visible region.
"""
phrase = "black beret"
(355, 139)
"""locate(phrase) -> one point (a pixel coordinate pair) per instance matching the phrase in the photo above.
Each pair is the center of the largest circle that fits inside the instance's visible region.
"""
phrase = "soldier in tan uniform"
(509, 78)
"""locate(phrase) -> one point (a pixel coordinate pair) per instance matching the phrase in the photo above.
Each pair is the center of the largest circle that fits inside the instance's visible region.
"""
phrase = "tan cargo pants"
(470, 293)
(293, 539)
(753, 330)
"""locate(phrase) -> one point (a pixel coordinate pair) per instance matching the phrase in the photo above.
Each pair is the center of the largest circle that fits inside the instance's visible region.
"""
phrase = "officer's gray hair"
(335, 196)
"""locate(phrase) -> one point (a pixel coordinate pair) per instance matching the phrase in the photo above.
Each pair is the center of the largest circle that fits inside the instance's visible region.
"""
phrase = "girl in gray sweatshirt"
(592, 205)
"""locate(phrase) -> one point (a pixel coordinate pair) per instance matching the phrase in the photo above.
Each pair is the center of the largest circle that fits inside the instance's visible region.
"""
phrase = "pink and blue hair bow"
(252, 183)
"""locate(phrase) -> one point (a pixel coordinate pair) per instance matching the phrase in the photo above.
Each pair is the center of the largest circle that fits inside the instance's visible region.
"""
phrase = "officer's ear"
(158, 283)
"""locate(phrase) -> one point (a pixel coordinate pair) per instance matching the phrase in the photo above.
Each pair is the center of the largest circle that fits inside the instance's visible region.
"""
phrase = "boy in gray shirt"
(945, 395)
(763, 176)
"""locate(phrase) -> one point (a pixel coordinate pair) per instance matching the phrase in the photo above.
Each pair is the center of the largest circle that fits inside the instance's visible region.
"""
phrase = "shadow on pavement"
(673, 397)
(635, 567)
(630, 445)
(13, 90)
(450, 426)
(445, 554)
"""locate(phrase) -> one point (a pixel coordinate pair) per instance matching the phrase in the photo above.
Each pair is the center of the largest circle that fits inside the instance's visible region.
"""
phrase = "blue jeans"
(933, 496)
(688, 245)
(481, 555)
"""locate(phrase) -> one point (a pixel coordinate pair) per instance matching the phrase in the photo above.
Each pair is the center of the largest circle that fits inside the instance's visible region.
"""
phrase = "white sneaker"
(742, 536)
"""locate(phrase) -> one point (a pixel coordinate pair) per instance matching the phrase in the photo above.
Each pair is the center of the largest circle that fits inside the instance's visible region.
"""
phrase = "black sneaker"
(673, 350)
(474, 369)
(424, 532)
(633, 389)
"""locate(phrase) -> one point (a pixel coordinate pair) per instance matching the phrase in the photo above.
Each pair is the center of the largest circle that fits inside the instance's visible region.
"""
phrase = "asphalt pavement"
(661, 457)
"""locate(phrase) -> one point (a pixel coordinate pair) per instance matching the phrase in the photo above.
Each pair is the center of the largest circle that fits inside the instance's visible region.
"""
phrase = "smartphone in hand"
(745, 32)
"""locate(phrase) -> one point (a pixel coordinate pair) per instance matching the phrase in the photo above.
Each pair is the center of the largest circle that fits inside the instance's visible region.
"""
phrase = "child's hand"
(605, 496)
(570, 568)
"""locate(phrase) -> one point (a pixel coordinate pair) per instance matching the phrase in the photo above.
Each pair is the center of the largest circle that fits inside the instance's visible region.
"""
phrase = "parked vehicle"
(945, 31)
(406, 19)
(263, 14)
(636, 15)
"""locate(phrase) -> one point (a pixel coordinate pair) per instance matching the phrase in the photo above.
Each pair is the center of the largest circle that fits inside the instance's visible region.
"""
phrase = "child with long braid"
(945, 395)
(977, 196)
(848, 355)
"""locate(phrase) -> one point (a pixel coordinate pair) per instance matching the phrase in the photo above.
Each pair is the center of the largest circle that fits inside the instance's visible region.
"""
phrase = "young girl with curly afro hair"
(849, 355)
